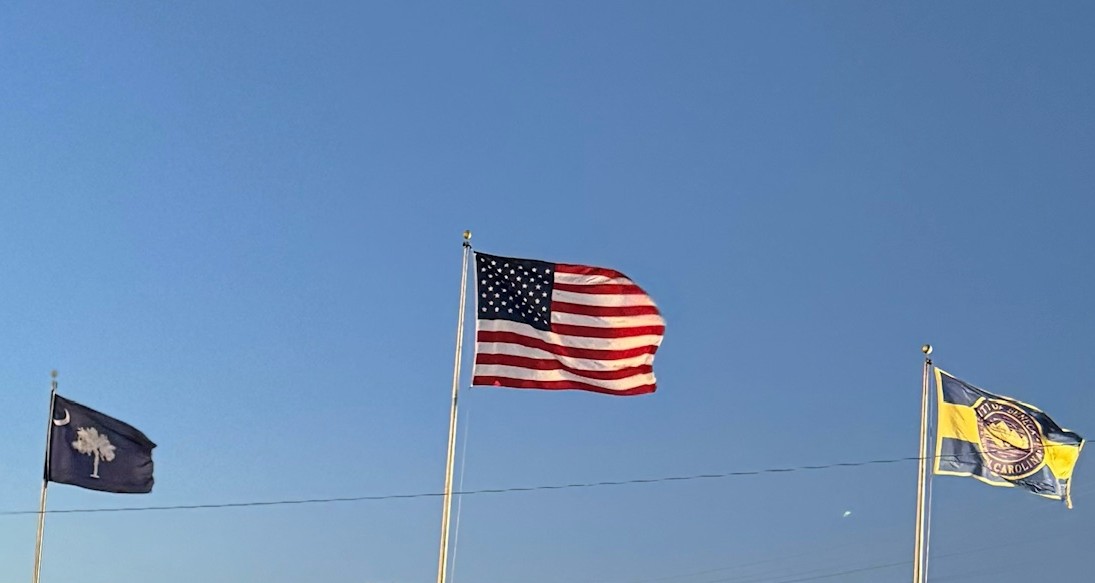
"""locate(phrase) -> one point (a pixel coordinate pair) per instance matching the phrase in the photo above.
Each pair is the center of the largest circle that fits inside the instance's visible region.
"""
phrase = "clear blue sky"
(237, 226)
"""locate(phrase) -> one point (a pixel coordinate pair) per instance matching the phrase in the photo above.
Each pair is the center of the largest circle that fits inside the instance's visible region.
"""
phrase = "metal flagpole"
(929, 476)
(919, 576)
(460, 500)
(45, 482)
(443, 557)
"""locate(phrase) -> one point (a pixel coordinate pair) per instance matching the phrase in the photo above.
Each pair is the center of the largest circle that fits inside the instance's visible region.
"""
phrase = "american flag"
(555, 326)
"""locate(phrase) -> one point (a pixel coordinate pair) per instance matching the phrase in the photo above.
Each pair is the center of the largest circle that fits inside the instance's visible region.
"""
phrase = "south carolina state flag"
(96, 451)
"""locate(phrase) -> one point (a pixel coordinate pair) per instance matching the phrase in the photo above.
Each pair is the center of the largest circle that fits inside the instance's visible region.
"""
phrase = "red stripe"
(488, 381)
(601, 288)
(541, 344)
(593, 332)
(584, 310)
(541, 364)
(587, 270)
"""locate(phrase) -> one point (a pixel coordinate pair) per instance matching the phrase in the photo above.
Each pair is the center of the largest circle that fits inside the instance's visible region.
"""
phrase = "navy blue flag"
(98, 452)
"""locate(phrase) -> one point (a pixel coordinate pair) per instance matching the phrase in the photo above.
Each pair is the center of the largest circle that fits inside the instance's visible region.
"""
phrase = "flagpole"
(45, 482)
(919, 575)
(443, 556)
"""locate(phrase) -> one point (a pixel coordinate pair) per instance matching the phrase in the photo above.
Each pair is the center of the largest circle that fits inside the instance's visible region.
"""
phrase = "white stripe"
(567, 340)
(577, 279)
(606, 321)
(612, 300)
(579, 363)
(513, 372)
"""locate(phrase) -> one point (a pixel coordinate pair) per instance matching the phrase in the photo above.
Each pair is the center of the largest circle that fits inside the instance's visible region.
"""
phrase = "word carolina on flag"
(555, 326)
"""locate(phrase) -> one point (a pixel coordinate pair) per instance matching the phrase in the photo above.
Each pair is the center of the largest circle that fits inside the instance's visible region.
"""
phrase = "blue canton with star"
(514, 289)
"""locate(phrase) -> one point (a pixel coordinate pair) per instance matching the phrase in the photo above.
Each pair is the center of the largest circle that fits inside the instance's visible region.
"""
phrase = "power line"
(812, 574)
(539, 488)
(751, 563)
(798, 579)
(751, 577)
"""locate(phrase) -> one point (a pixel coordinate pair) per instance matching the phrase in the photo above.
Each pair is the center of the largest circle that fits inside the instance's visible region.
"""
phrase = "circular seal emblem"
(1011, 440)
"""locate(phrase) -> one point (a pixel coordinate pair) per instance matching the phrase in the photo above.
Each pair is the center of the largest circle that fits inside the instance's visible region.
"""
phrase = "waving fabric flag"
(556, 326)
(1001, 441)
(98, 452)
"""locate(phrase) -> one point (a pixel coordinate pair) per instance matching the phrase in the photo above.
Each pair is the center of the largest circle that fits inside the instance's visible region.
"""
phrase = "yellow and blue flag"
(1001, 441)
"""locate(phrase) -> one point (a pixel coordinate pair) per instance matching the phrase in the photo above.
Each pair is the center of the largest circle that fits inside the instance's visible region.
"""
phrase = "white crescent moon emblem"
(65, 421)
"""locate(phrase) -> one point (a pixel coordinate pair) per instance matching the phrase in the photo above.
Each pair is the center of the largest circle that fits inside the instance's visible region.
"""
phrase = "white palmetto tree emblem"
(90, 442)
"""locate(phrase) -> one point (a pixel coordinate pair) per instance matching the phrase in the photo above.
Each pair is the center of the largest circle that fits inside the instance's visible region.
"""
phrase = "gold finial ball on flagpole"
(467, 235)
(53, 374)
(926, 349)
